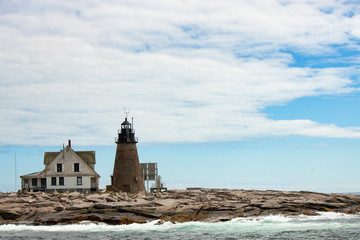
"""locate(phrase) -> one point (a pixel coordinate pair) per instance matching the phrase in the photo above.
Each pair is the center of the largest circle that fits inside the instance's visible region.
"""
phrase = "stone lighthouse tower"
(127, 173)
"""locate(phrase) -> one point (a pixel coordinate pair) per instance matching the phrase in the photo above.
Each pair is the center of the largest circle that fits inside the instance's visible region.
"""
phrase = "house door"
(43, 184)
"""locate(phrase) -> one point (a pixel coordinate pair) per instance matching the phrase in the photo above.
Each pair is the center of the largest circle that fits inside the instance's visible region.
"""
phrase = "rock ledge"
(210, 205)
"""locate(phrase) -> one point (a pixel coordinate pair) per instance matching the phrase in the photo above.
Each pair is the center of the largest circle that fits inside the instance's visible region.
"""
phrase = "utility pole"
(15, 172)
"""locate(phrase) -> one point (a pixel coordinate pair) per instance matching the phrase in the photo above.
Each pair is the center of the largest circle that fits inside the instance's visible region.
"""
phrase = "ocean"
(324, 226)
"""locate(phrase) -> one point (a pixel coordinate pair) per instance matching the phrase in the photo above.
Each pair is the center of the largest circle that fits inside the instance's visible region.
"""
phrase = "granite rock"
(199, 204)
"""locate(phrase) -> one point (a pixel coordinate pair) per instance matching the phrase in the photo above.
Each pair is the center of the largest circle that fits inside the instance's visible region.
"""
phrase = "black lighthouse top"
(126, 134)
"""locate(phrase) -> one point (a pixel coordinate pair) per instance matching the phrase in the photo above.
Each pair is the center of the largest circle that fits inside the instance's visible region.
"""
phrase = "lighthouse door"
(126, 188)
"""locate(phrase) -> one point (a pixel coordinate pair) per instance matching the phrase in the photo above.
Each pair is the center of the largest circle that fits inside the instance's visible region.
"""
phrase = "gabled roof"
(87, 156)
(49, 157)
(35, 174)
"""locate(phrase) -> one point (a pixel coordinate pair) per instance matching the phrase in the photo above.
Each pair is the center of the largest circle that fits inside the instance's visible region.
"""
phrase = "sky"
(227, 94)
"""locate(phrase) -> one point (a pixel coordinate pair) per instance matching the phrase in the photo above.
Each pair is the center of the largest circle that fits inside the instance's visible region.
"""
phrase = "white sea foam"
(325, 220)
(83, 226)
(270, 223)
(283, 218)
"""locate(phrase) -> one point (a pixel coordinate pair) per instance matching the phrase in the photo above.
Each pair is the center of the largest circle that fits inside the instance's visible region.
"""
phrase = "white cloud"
(188, 71)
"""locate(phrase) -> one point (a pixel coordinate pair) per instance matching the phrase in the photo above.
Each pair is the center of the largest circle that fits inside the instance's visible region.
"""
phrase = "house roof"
(87, 156)
(84, 157)
(49, 157)
(35, 174)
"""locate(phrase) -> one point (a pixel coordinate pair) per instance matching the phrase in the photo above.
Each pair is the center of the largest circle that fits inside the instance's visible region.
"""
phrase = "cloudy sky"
(195, 75)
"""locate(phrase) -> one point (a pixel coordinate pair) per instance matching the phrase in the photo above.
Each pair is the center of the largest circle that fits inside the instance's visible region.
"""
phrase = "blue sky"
(236, 94)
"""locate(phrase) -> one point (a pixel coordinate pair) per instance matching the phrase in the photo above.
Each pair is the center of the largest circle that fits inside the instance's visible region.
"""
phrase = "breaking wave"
(245, 228)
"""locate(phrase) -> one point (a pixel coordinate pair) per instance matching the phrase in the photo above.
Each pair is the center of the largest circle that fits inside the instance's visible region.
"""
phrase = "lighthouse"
(127, 173)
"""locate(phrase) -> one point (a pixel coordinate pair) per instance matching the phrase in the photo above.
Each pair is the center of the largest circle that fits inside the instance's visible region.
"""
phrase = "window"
(76, 167)
(53, 181)
(79, 181)
(26, 181)
(34, 182)
(61, 181)
(59, 167)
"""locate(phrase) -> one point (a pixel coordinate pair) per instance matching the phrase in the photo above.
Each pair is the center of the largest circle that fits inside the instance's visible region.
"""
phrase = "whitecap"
(271, 223)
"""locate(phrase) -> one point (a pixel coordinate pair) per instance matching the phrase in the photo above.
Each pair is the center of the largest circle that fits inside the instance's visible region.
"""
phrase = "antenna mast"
(126, 111)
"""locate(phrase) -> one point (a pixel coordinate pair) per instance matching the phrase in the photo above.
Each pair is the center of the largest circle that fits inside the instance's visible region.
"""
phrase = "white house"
(67, 170)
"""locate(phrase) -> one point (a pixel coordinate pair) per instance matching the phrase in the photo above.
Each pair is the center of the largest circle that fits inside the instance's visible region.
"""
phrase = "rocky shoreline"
(209, 205)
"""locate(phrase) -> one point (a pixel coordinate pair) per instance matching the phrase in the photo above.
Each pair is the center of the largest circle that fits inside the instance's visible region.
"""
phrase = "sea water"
(323, 226)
